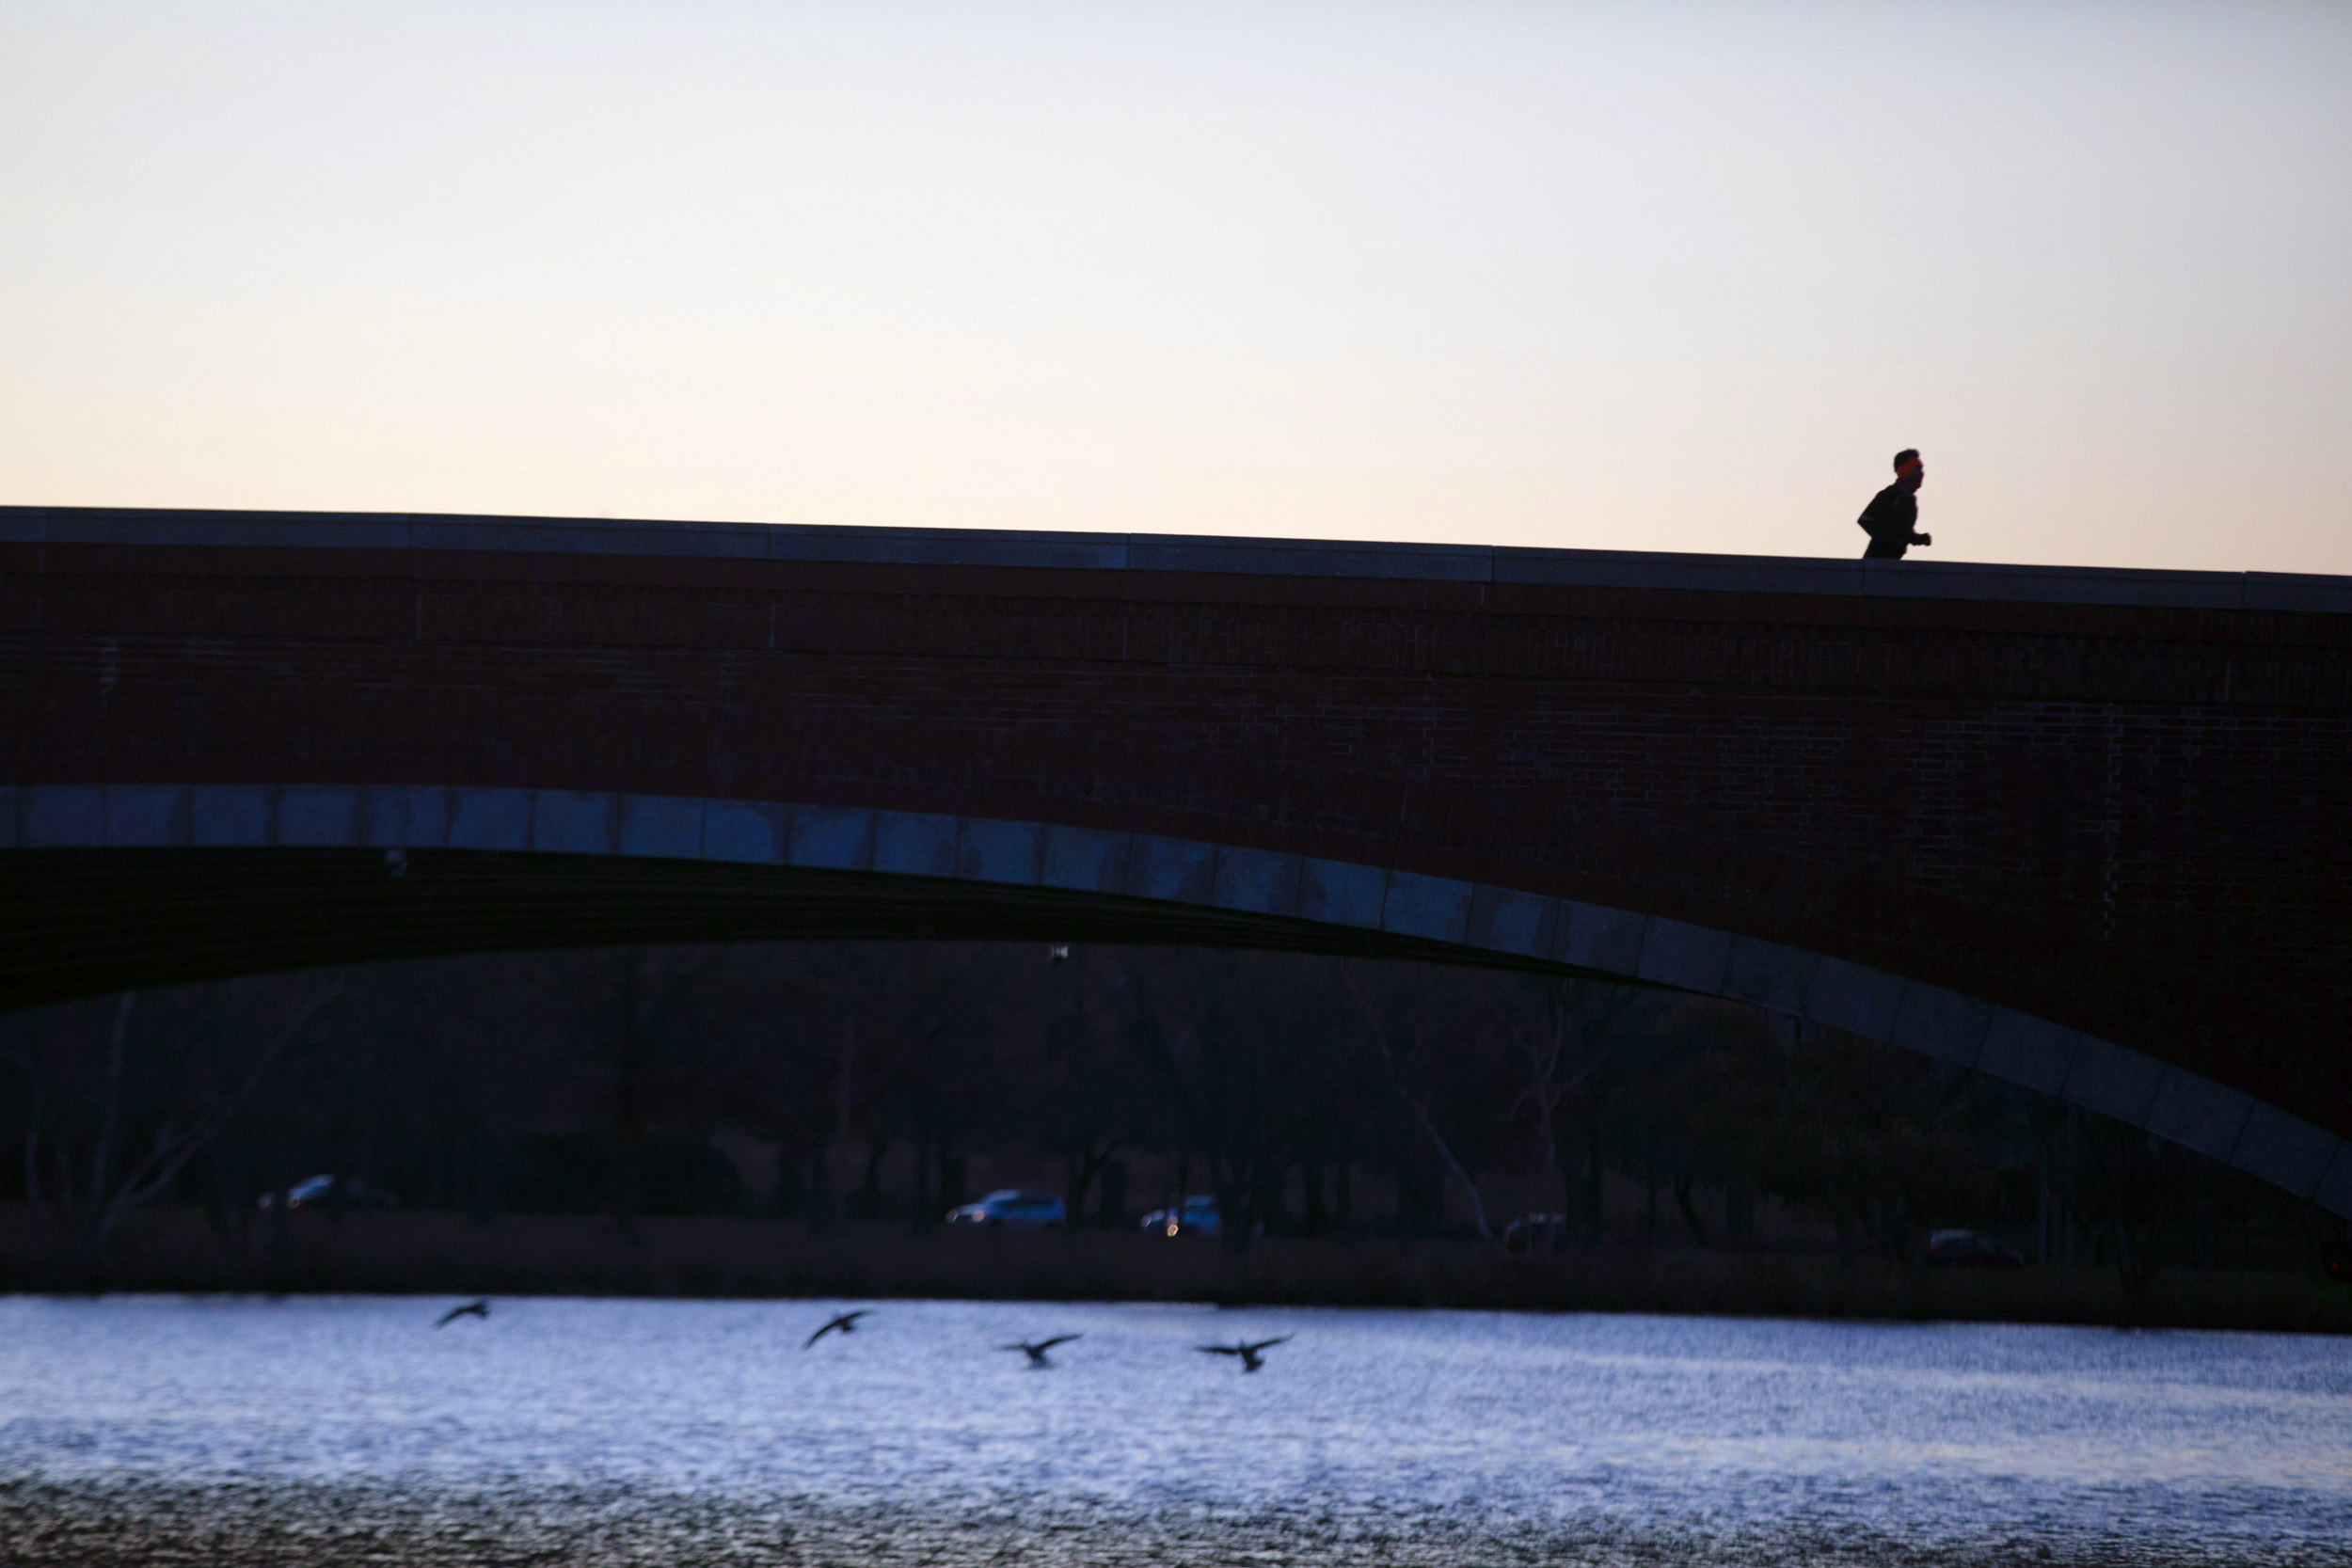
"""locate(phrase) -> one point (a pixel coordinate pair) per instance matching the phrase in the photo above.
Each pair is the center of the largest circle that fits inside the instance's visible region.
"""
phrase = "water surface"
(330, 1430)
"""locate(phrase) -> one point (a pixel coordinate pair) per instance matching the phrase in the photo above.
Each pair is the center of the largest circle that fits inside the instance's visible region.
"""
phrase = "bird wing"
(842, 1323)
(450, 1317)
(1221, 1349)
(1058, 1340)
(1265, 1344)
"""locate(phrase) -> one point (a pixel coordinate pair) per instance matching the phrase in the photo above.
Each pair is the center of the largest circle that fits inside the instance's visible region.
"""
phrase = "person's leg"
(1886, 549)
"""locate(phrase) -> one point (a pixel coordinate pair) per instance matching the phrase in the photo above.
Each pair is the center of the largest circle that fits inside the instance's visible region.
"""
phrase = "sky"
(1656, 277)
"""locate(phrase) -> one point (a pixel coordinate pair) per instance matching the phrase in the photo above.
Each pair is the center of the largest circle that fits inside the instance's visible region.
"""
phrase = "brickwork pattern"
(2132, 820)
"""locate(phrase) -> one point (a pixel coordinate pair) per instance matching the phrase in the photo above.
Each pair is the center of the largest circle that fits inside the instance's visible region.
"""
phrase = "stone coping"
(2184, 1107)
(1148, 552)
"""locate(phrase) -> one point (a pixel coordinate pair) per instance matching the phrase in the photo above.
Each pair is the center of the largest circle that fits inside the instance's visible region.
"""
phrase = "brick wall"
(2132, 820)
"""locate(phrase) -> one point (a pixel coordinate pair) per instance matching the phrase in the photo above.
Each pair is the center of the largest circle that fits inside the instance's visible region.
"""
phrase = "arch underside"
(98, 920)
(115, 886)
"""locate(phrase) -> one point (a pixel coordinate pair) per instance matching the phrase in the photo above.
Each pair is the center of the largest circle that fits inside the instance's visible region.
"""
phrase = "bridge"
(2086, 830)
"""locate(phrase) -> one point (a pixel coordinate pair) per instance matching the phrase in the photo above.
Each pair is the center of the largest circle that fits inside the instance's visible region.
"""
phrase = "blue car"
(333, 1192)
(1196, 1216)
(1010, 1210)
(1965, 1249)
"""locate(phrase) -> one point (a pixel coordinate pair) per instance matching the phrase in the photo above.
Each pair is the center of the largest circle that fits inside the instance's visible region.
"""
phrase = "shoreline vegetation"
(174, 1250)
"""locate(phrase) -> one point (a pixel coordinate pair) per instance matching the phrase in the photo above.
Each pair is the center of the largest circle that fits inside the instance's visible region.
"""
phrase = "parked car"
(1196, 1216)
(1537, 1233)
(1010, 1210)
(1965, 1249)
(333, 1192)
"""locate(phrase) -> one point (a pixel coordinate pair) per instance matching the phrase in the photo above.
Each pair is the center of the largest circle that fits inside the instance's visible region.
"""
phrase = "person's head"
(1909, 471)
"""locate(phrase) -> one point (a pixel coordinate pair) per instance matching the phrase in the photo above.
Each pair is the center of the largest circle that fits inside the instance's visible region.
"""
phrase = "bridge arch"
(231, 879)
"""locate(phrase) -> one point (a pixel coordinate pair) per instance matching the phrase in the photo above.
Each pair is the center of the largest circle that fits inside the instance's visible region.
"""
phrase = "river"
(319, 1430)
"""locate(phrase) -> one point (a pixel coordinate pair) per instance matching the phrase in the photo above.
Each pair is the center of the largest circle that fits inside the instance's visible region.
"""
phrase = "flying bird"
(1036, 1351)
(847, 1324)
(471, 1309)
(1252, 1356)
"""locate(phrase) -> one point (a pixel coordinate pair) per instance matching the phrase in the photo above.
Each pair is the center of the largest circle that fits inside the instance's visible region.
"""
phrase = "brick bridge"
(2088, 831)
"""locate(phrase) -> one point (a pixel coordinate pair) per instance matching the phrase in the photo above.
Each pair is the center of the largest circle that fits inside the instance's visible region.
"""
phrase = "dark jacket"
(1891, 515)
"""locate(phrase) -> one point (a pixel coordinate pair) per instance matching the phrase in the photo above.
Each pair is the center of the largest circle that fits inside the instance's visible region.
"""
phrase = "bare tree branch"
(32, 1124)
(1419, 1112)
(174, 1150)
(102, 1158)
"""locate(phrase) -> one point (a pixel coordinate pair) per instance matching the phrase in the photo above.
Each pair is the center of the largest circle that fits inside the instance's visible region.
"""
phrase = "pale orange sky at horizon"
(1670, 276)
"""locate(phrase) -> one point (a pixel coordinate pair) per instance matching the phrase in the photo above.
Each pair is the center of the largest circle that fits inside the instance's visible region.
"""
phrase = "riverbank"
(409, 1253)
(139, 1522)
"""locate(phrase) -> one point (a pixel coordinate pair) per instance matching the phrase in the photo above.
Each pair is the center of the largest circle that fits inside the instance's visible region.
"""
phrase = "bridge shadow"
(94, 922)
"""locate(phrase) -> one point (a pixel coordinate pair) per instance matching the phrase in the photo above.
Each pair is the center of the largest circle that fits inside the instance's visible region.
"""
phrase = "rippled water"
(331, 1429)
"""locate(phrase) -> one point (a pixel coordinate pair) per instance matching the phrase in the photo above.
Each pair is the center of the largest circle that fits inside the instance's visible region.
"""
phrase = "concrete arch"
(998, 873)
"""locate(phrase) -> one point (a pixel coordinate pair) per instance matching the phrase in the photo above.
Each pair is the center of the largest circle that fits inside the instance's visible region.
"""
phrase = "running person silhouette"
(1893, 514)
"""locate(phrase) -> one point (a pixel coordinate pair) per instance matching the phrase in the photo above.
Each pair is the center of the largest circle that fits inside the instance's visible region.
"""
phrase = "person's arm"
(1889, 516)
(1875, 522)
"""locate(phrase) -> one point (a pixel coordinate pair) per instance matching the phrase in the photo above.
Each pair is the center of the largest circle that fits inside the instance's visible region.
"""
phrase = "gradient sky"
(1630, 277)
